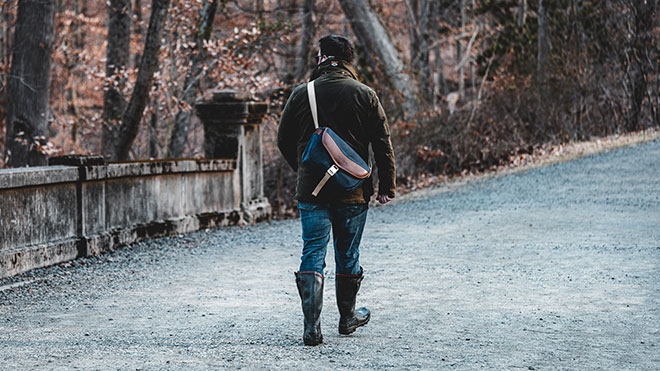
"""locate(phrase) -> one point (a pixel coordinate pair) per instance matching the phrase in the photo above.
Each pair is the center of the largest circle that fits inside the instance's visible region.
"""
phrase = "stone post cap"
(230, 107)
(230, 95)
(76, 160)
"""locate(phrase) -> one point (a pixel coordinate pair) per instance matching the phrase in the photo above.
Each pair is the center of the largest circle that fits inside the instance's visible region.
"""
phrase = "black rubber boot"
(310, 288)
(347, 289)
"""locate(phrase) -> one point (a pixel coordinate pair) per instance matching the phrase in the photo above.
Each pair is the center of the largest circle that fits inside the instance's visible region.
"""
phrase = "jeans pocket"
(351, 211)
(307, 206)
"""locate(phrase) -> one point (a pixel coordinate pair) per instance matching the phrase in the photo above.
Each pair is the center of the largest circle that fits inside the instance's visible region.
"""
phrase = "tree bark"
(28, 83)
(79, 8)
(459, 55)
(153, 135)
(183, 117)
(543, 42)
(4, 36)
(78, 44)
(5, 54)
(439, 82)
(413, 27)
(374, 39)
(522, 13)
(138, 29)
(306, 40)
(148, 66)
(541, 67)
(290, 54)
(117, 58)
(259, 7)
(641, 41)
(420, 18)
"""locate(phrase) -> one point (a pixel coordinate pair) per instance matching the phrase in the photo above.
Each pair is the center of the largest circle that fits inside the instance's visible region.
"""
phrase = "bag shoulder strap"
(312, 103)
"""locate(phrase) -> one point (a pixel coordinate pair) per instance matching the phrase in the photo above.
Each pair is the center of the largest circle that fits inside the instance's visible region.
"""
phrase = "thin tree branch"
(467, 50)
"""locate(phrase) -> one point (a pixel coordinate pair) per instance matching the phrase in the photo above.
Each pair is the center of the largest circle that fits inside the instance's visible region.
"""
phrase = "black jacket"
(353, 111)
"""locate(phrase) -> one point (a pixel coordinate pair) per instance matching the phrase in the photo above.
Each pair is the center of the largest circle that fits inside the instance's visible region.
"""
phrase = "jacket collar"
(334, 64)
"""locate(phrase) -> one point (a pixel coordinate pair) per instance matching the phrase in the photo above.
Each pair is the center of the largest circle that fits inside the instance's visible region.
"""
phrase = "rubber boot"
(347, 289)
(310, 288)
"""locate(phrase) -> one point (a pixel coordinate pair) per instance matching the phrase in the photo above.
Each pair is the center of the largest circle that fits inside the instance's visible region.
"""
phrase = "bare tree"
(420, 18)
(522, 12)
(117, 58)
(153, 135)
(439, 82)
(138, 29)
(148, 66)
(286, 11)
(5, 31)
(79, 9)
(543, 42)
(182, 121)
(383, 55)
(459, 54)
(260, 8)
(541, 65)
(642, 23)
(307, 35)
(28, 83)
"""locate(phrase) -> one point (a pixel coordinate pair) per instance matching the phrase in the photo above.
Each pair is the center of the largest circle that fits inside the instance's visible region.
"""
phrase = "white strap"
(328, 174)
(312, 103)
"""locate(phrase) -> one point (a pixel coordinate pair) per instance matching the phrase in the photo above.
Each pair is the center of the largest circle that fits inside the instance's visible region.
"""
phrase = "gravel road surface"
(549, 268)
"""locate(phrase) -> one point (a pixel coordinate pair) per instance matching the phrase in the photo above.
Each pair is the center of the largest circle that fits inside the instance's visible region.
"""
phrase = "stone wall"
(80, 206)
(54, 214)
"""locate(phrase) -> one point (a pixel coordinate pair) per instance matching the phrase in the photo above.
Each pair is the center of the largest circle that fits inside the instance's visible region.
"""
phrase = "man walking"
(354, 112)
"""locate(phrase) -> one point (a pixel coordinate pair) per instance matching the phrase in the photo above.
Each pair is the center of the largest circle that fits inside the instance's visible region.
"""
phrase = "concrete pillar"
(232, 129)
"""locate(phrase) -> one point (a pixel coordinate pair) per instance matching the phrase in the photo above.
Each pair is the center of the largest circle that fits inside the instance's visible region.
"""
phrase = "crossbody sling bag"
(328, 154)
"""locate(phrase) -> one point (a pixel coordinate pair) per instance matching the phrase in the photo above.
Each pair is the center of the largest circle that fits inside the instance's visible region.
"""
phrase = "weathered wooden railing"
(80, 206)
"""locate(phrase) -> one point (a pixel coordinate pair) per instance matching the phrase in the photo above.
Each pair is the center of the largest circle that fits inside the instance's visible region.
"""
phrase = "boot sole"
(313, 343)
(350, 330)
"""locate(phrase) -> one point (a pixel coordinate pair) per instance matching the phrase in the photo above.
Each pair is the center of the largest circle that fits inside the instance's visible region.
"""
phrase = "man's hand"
(383, 199)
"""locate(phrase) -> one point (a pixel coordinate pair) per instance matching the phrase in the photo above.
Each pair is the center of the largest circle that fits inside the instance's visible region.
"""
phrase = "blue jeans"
(347, 223)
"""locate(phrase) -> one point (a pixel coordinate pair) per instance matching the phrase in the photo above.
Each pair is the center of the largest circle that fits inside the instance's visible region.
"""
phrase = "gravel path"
(550, 268)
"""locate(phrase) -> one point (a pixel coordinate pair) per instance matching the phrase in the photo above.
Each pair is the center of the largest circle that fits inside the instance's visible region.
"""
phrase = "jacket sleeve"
(382, 147)
(287, 133)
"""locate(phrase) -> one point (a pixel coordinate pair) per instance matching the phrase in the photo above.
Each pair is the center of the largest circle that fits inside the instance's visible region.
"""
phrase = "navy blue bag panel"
(317, 160)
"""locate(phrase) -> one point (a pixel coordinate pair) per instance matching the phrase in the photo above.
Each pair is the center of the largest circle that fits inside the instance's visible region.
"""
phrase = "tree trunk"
(117, 54)
(425, 73)
(78, 44)
(138, 30)
(543, 42)
(27, 86)
(259, 7)
(80, 8)
(421, 16)
(374, 39)
(290, 50)
(541, 67)
(153, 135)
(439, 82)
(459, 55)
(306, 39)
(413, 29)
(4, 35)
(148, 66)
(522, 13)
(643, 15)
(5, 20)
(182, 119)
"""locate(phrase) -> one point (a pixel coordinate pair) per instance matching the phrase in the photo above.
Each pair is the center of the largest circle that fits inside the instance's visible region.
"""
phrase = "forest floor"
(542, 156)
(541, 268)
